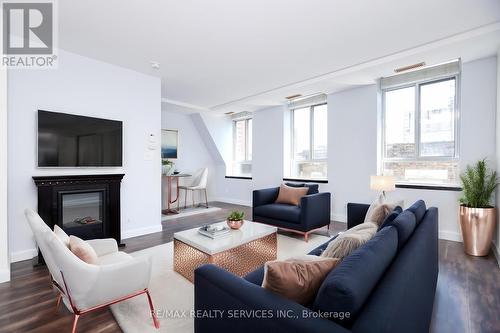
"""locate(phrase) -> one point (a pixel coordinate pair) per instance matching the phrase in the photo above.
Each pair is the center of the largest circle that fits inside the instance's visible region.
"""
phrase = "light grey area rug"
(173, 295)
(189, 212)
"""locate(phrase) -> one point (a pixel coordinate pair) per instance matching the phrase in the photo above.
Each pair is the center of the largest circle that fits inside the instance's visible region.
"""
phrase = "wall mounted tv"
(66, 140)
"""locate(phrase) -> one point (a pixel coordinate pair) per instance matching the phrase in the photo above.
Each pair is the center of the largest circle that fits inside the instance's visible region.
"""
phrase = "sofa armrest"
(356, 213)
(265, 196)
(315, 210)
(227, 303)
(103, 246)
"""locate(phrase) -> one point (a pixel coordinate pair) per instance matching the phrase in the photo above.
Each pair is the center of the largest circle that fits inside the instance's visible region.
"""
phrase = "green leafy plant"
(478, 184)
(236, 216)
(164, 161)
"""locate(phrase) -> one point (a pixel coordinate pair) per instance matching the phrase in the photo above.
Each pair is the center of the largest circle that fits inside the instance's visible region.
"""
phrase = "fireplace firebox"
(86, 206)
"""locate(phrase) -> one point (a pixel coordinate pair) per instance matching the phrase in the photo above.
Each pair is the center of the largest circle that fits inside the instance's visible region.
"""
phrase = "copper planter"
(478, 225)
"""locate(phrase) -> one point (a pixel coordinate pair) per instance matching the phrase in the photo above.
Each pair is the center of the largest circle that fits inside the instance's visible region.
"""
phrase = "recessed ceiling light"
(155, 64)
(409, 67)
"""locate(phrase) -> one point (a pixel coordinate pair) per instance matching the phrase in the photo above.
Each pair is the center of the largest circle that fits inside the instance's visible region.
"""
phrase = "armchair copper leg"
(153, 313)
(306, 237)
(59, 297)
(75, 321)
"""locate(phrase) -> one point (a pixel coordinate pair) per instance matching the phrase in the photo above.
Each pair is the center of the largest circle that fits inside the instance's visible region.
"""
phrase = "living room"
(213, 139)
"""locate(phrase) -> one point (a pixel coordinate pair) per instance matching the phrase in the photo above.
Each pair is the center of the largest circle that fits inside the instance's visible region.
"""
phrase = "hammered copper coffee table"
(240, 252)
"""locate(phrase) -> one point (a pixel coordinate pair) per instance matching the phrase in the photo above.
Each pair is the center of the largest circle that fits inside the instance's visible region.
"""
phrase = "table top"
(248, 232)
(178, 175)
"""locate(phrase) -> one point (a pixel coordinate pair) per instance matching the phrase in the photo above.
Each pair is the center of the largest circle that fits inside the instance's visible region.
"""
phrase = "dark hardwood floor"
(467, 298)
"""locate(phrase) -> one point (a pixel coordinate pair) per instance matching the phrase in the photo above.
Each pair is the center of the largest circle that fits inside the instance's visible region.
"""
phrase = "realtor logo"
(28, 34)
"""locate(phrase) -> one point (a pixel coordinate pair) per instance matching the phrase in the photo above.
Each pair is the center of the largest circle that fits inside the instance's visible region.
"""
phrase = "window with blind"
(420, 126)
(242, 148)
(307, 159)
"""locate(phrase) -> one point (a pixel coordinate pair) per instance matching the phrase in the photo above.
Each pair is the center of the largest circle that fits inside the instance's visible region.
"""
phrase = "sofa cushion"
(391, 217)
(114, 258)
(279, 211)
(313, 188)
(298, 278)
(405, 224)
(418, 209)
(348, 286)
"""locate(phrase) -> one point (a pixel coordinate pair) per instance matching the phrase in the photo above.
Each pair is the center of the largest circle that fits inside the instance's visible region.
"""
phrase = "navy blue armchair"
(312, 213)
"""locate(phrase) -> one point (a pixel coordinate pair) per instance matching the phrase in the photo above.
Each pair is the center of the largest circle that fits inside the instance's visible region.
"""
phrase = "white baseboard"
(4, 275)
(338, 218)
(23, 255)
(141, 231)
(234, 201)
(450, 235)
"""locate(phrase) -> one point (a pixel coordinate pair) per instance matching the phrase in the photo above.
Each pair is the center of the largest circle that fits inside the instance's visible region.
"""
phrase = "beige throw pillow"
(83, 250)
(61, 235)
(298, 279)
(291, 195)
(379, 209)
(350, 240)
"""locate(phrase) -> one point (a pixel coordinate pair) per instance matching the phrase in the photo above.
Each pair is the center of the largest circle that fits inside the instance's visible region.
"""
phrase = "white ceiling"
(244, 55)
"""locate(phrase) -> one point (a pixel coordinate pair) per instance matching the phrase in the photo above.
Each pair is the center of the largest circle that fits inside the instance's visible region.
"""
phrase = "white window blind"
(445, 70)
(307, 101)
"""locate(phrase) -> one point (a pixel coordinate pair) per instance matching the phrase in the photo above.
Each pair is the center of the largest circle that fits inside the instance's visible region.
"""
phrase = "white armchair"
(84, 287)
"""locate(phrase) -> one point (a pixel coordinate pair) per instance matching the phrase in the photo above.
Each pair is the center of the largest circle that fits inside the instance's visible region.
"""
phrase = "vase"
(477, 225)
(235, 224)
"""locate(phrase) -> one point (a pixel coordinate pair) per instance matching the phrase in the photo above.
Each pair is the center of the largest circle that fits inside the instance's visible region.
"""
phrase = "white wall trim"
(4, 275)
(234, 201)
(450, 235)
(141, 231)
(23, 255)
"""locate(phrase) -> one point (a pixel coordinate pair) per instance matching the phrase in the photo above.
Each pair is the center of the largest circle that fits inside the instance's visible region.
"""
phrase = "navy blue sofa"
(312, 213)
(386, 285)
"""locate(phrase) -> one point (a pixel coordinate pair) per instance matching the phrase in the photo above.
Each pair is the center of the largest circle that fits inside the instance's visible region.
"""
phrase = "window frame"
(247, 145)
(417, 135)
(311, 141)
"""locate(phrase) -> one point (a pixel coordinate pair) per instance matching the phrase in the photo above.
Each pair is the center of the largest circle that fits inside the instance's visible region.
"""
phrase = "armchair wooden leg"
(192, 197)
(75, 321)
(185, 198)
(206, 198)
(152, 308)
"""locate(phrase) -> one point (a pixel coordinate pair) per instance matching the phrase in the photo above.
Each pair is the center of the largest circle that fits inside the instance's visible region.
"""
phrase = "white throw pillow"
(61, 235)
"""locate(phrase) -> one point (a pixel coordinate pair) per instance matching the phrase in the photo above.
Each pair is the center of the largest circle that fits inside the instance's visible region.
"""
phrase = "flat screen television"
(66, 140)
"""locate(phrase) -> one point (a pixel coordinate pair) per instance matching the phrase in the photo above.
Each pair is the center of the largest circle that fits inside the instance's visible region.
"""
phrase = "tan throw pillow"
(291, 195)
(61, 235)
(297, 279)
(350, 240)
(379, 213)
(82, 250)
(375, 211)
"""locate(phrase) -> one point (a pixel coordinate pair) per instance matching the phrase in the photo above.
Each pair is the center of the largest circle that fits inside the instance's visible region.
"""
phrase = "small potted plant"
(235, 219)
(477, 215)
(167, 166)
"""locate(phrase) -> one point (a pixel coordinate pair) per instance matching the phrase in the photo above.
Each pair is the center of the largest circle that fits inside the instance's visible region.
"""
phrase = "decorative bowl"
(235, 224)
